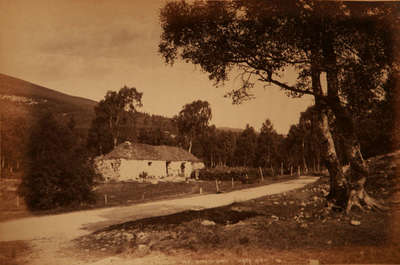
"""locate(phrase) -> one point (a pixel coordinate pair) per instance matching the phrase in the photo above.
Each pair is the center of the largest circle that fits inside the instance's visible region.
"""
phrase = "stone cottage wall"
(109, 169)
(133, 169)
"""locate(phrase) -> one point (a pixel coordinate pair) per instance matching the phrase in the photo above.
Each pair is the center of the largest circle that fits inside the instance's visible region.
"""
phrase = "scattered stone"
(207, 222)
(329, 242)
(276, 218)
(278, 260)
(284, 203)
(127, 236)
(355, 222)
(304, 225)
(276, 203)
(142, 238)
(291, 202)
(303, 204)
(143, 249)
(325, 192)
(103, 249)
(315, 198)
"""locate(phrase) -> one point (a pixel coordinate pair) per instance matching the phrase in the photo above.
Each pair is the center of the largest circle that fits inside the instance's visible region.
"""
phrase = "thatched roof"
(136, 151)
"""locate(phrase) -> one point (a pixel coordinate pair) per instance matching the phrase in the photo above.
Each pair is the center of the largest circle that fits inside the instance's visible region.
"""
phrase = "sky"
(87, 47)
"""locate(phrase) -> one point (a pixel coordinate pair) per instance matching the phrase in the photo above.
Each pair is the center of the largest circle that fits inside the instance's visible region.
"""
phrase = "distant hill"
(21, 98)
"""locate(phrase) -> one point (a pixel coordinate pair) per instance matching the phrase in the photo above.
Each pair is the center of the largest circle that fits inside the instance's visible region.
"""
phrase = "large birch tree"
(326, 43)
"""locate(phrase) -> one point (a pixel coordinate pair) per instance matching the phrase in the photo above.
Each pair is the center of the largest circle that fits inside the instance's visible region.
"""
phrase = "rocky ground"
(291, 227)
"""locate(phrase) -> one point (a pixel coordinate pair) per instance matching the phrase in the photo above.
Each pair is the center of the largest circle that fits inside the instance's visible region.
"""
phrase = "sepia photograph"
(229, 132)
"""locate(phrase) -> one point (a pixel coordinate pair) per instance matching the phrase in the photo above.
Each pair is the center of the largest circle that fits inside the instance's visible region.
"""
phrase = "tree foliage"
(112, 115)
(193, 120)
(60, 173)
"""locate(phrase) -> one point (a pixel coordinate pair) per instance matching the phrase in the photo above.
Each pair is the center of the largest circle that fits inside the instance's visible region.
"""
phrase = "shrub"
(60, 173)
(235, 173)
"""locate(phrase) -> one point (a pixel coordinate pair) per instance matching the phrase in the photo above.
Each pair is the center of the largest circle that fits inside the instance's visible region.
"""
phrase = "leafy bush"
(60, 173)
(235, 173)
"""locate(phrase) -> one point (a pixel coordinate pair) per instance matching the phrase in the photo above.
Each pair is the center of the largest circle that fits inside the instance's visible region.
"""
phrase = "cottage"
(134, 161)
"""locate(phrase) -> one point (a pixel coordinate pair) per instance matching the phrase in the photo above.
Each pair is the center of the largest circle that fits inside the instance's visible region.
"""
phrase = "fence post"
(232, 183)
(261, 174)
(105, 199)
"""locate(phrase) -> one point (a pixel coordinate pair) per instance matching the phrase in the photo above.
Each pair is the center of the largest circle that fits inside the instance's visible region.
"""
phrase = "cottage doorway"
(183, 169)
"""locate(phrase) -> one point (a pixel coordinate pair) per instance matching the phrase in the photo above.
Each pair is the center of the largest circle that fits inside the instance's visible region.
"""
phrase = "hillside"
(20, 98)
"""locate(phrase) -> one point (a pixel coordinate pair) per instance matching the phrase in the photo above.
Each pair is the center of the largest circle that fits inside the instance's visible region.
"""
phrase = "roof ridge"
(141, 151)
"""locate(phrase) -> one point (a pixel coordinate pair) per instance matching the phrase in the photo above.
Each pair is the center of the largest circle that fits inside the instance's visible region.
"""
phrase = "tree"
(59, 172)
(267, 145)
(260, 39)
(245, 152)
(112, 114)
(193, 119)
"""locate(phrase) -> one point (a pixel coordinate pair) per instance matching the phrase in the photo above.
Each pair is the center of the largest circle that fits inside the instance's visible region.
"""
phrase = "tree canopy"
(259, 39)
(193, 119)
(112, 114)
(59, 173)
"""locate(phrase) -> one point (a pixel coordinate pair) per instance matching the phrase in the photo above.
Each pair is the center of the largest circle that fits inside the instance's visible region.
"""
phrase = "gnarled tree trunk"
(338, 183)
(358, 171)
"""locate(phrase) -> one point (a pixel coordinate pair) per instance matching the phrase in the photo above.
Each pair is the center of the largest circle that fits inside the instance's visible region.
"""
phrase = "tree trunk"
(338, 193)
(304, 158)
(345, 125)
(190, 145)
(359, 171)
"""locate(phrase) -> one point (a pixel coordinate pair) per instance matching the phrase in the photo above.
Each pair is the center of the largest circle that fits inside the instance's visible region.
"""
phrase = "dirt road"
(49, 233)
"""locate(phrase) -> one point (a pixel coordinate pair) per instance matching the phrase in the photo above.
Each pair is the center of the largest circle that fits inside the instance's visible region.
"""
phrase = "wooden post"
(261, 174)
(291, 170)
(216, 185)
(105, 199)
(281, 168)
(232, 183)
(17, 201)
(201, 190)
(298, 171)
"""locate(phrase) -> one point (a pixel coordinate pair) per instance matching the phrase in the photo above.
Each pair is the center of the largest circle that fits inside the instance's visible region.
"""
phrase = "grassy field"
(293, 227)
(122, 193)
